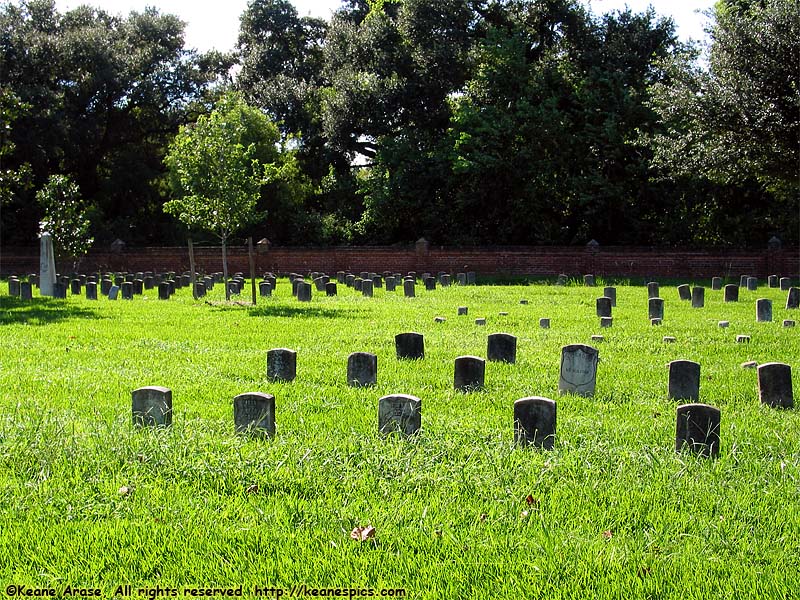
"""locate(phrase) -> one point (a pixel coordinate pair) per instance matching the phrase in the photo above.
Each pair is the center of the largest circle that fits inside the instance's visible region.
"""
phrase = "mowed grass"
(458, 510)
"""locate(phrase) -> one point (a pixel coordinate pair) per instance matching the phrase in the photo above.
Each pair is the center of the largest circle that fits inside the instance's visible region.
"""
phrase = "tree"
(738, 122)
(104, 95)
(218, 167)
(65, 218)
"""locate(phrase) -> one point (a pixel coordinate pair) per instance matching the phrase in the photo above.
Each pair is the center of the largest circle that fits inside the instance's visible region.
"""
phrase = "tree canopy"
(464, 121)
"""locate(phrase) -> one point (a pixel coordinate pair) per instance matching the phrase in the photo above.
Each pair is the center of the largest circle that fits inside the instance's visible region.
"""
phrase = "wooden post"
(191, 266)
(252, 268)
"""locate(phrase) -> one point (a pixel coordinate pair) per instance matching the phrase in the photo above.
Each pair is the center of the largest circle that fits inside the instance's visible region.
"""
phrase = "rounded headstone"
(793, 298)
(362, 369)
(544, 323)
(684, 380)
(480, 321)
(588, 280)
(469, 373)
(265, 289)
(784, 283)
(254, 413)
(409, 288)
(603, 306)
(606, 322)
(400, 413)
(501, 347)
(684, 293)
(152, 406)
(698, 297)
(752, 284)
(409, 345)
(731, 293)
(366, 288)
(772, 281)
(716, 283)
(655, 308)
(330, 288)
(763, 310)
(578, 373)
(697, 429)
(652, 289)
(535, 422)
(611, 292)
(304, 291)
(281, 364)
(775, 385)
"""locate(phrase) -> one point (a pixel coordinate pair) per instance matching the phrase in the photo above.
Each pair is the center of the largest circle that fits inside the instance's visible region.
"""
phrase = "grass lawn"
(86, 500)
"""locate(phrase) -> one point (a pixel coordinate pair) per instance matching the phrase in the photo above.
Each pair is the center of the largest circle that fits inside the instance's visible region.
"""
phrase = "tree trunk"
(225, 267)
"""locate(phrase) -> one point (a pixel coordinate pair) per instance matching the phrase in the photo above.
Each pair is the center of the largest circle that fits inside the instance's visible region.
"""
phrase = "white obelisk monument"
(47, 265)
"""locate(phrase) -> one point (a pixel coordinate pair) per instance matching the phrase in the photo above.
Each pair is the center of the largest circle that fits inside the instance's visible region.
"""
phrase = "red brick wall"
(540, 260)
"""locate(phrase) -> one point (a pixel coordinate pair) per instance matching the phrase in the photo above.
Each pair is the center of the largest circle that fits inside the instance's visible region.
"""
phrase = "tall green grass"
(458, 510)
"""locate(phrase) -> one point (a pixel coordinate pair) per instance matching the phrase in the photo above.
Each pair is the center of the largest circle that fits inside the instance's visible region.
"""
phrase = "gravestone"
(13, 286)
(430, 284)
(152, 406)
(319, 284)
(350, 280)
(652, 289)
(716, 283)
(127, 290)
(525, 302)
(471, 277)
(254, 414)
(562, 279)
(655, 308)
(606, 322)
(772, 281)
(409, 345)
(199, 289)
(163, 290)
(25, 290)
(731, 293)
(281, 364)
(668, 339)
(724, 323)
(535, 422)
(603, 306)
(697, 429)
(793, 298)
(743, 281)
(788, 323)
(481, 321)
(461, 278)
(340, 276)
(439, 320)
(304, 291)
(752, 284)
(588, 280)
(362, 369)
(399, 413)
(578, 373)
(445, 280)
(501, 347)
(408, 288)
(265, 289)
(47, 265)
(138, 287)
(785, 283)
(366, 288)
(597, 338)
(698, 297)
(331, 288)
(91, 290)
(390, 284)
(75, 287)
(655, 322)
(763, 310)
(462, 310)
(469, 373)
(113, 292)
(684, 380)
(358, 284)
(684, 292)
(742, 339)
(544, 323)
(377, 281)
(775, 385)
(611, 292)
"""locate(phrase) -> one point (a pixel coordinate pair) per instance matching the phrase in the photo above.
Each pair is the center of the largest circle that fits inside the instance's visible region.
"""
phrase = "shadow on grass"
(304, 311)
(41, 311)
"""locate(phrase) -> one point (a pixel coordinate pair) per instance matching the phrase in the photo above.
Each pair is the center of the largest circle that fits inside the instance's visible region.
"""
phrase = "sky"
(215, 24)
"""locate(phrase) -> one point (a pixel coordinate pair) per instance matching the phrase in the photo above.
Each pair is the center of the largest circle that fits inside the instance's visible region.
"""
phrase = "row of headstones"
(127, 285)
(697, 425)
(578, 372)
(604, 304)
(745, 281)
(366, 282)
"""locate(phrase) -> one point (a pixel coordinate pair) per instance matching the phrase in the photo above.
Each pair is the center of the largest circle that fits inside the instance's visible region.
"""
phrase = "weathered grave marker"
(152, 406)
(400, 413)
(697, 429)
(763, 310)
(684, 293)
(610, 292)
(775, 385)
(281, 364)
(655, 308)
(793, 298)
(578, 374)
(254, 414)
(603, 306)
(684, 380)
(362, 369)
(731, 293)
(698, 297)
(409, 345)
(469, 373)
(535, 422)
(501, 347)
(716, 283)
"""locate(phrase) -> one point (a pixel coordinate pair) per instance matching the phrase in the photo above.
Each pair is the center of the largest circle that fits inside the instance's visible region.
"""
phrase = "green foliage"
(739, 121)
(65, 217)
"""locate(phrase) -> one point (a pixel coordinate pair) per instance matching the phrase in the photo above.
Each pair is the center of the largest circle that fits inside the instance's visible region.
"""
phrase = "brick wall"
(514, 261)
